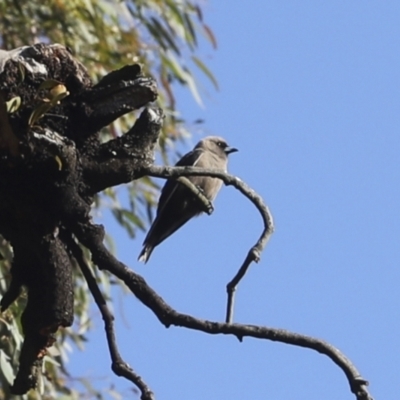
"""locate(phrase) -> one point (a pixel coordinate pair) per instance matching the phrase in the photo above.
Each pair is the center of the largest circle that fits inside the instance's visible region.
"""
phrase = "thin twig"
(207, 204)
(254, 253)
(119, 366)
(92, 238)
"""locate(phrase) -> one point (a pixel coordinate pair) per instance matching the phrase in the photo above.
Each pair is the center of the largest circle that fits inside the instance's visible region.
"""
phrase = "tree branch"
(120, 160)
(92, 238)
(119, 366)
(205, 203)
(254, 253)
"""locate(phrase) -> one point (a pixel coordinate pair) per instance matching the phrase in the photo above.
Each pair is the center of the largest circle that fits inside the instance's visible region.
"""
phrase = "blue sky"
(310, 94)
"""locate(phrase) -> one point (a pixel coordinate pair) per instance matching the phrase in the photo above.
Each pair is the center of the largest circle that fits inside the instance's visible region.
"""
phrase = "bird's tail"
(146, 253)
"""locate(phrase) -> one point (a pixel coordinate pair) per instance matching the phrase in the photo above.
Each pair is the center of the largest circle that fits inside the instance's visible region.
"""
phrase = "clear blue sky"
(310, 94)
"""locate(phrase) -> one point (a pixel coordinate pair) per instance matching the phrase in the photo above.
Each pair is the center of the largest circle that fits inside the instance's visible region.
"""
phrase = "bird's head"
(217, 145)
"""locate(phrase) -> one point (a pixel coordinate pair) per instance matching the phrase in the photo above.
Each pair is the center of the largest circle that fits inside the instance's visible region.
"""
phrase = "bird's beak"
(229, 150)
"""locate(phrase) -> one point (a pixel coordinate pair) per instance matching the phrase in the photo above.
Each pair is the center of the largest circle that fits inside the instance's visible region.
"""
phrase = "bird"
(177, 203)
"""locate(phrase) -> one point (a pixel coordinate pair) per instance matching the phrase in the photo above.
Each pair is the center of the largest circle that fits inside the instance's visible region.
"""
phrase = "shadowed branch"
(92, 238)
(119, 366)
(254, 253)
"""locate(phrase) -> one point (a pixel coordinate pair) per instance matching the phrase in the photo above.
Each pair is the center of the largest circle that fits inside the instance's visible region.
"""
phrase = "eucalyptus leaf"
(13, 105)
(6, 367)
(49, 84)
(205, 70)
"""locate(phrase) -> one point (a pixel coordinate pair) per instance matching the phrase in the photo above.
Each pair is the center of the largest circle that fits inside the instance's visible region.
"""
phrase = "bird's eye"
(221, 144)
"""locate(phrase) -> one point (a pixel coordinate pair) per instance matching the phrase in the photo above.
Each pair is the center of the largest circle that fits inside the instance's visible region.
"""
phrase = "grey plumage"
(177, 203)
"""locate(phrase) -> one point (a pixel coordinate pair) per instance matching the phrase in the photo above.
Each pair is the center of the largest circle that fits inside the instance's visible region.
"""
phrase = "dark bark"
(47, 181)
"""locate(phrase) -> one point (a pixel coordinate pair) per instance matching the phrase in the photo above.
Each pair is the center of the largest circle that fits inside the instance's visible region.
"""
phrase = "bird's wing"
(190, 159)
(173, 211)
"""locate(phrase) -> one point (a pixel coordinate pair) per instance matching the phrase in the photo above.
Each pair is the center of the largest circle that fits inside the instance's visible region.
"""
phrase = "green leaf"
(156, 36)
(13, 104)
(165, 34)
(183, 75)
(6, 367)
(210, 35)
(21, 71)
(176, 12)
(49, 84)
(134, 219)
(38, 113)
(206, 71)
(58, 95)
(47, 359)
(190, 31)
(193, 88)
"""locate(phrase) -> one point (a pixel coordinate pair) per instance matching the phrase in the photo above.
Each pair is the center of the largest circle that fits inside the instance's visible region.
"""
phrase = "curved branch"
(254, 253)
(119, 366)
(92, 238)
(205, 203)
